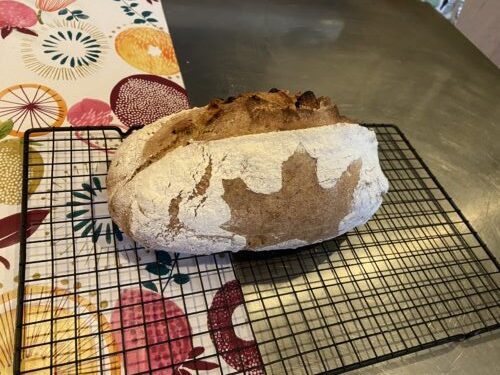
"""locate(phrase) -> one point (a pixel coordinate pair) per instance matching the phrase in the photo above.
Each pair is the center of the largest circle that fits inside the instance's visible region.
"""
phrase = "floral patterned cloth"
(79, 63)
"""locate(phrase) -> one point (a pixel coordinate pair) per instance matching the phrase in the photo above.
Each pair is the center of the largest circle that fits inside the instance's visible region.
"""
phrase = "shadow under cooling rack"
(415, 276)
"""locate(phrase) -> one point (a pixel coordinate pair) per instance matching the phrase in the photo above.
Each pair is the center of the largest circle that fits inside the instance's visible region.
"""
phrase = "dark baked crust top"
(250, 113)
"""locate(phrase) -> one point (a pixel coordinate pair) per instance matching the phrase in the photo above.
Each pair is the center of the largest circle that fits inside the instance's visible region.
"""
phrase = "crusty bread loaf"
(265, 170)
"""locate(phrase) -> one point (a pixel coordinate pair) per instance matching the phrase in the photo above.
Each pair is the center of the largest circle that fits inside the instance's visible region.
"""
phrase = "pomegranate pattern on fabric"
(72, 63)
(164, 328)
(242, 355)
(90, 111)
(142, 99)
(16, 16)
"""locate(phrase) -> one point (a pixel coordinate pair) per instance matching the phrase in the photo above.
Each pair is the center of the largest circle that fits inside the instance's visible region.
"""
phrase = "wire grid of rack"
(415, 276)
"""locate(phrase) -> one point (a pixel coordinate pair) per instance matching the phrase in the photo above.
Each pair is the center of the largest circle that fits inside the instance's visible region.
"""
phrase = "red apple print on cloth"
(90, 112)
(143, 98)
(242, 355)
(16, 16)
(167, 331)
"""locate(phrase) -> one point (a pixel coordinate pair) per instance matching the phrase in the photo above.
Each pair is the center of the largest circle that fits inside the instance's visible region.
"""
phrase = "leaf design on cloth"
(199, 350)
(150, 285)
(6, 128)
(164, 268)
(80, 210)
(5, 262)
(10, 226)
(26, 31)
(181, 278)
(157, 269)
(163, 257)
(71, 15)
(195, 364)
(200, 365)
(300, 210)
(130, 9)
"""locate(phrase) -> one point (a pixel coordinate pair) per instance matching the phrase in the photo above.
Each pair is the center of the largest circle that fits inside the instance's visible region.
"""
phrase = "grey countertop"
(382, 62)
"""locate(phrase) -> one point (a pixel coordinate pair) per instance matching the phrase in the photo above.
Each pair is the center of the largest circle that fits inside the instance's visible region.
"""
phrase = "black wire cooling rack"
(415, 276)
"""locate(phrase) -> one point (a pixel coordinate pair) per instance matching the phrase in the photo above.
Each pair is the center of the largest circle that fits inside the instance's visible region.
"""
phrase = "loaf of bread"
(262, 171)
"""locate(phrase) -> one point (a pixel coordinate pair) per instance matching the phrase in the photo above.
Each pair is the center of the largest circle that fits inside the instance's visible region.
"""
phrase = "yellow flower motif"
(49, 328)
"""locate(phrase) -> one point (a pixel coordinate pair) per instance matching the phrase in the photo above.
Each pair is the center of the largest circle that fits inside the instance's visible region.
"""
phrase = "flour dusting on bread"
(260, 171)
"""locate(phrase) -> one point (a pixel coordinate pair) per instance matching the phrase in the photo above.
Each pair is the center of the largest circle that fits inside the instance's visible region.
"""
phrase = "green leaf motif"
(133, 5)
(83, 16)
(62, 12)
(152, 20)
(73, 203)
(97, 232)
(138, 20)
(69, 18)
(81, 224)
(108, 233)
(87, 230)
(6, 128)
(150, 285)
(76, 213)
(88, 189)
(163, 257)
(181, 278)
(77, 12)
(97, 183)
(146, 13)
(157, 269)
(80, 195)
(130, 13)
(117, 232)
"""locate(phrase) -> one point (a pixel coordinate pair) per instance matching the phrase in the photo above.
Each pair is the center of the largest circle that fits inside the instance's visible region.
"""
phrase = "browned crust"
(174, 223)
(250, 113)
